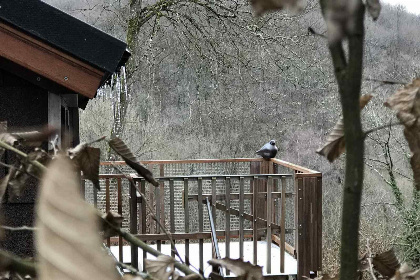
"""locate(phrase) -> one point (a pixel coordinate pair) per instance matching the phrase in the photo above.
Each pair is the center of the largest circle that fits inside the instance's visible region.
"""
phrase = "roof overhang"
(55, 50)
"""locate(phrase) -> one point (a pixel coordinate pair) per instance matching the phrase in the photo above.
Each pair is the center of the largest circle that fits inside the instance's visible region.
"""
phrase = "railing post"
(282, 223)
(254, 221)
(200, 223)
(133, 225)
(241, 217)
(172, 213)
(107, 206)
(269, 210)
(227, 219)
(213, 204)
(143, 215)
(186, 222)
(119, 205)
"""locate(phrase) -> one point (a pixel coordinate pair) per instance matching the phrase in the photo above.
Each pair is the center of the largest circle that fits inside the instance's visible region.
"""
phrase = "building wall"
(22, 105)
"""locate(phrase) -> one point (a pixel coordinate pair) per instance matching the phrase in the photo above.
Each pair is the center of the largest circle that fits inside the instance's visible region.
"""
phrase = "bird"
(269, 150)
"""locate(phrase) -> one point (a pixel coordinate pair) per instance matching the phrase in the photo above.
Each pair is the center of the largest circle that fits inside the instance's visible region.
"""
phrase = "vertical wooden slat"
(300, 237)
(133, 225)
(319, 222)
(282, 223)
(83, 188)
(143, 215)
(306, 225)
(172, 212)
(269, 216)
(200, 222)
(95, 197)
(227, 219)
(213, 203)
(157, 198)
(162, 195)
(186, 221)
(313, 222)
(107, 206)
(275, 201)
(254, 221)
(119, 201)
(241, 217)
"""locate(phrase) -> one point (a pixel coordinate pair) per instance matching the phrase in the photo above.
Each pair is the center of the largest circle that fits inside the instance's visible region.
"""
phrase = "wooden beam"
(221, 234)
(235, 196)
(49, 62)
(289, 248)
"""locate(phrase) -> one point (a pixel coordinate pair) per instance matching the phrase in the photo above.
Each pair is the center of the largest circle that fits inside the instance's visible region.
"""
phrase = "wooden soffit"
(49, 62)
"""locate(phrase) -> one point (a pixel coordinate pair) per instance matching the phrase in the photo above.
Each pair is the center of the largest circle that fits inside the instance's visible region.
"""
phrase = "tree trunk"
(348, 73)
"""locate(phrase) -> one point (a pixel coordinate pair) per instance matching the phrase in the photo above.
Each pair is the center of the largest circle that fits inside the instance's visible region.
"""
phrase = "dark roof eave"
(65, 33)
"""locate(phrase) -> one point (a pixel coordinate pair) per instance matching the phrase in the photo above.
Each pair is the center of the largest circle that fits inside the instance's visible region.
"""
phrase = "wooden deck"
(263, 203)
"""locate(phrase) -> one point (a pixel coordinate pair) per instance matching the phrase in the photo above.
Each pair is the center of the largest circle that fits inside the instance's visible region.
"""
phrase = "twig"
(97, 140)
(22, 228)
(136, 272)
(9, 262)
(386, 82)
(18, 276)
(137, 242)
(369, 260)
(377, 203)
(18, 169)
(118, 267)
(36, 163)
(382, 127)
(313, 32)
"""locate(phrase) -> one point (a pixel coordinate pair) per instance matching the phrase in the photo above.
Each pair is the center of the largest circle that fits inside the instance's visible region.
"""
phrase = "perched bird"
(269, 150)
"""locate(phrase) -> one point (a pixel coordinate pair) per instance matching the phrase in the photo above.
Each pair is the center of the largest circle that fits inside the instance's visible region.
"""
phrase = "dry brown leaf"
(386, 263)
(363, 264)
(240, 268)
(374, 8)
(34, 138)
(336, 145)
(87, 160)
(114, 219)
(406, 102)
(121, 148)
(262, 6)
(8, 139)
(406, 273)
(161, 268)
(67, 240)
(19, 177)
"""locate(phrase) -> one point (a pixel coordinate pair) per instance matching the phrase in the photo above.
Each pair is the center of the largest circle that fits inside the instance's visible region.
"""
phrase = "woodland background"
(219, 83)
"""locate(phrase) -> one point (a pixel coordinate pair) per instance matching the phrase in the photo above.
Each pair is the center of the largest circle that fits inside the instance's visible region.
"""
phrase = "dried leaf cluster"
(68, 242)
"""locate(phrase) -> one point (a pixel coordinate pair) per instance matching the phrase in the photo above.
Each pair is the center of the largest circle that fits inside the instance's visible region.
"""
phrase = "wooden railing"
(258, 199)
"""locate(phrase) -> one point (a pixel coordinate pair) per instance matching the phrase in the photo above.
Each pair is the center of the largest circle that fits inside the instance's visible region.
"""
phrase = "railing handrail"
(216, 176)
(277, 161)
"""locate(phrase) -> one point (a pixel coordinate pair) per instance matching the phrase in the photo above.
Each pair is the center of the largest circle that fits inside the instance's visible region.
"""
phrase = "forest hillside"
(220, 84)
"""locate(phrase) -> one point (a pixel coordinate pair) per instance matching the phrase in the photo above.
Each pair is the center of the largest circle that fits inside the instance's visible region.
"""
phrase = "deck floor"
(290, 263)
